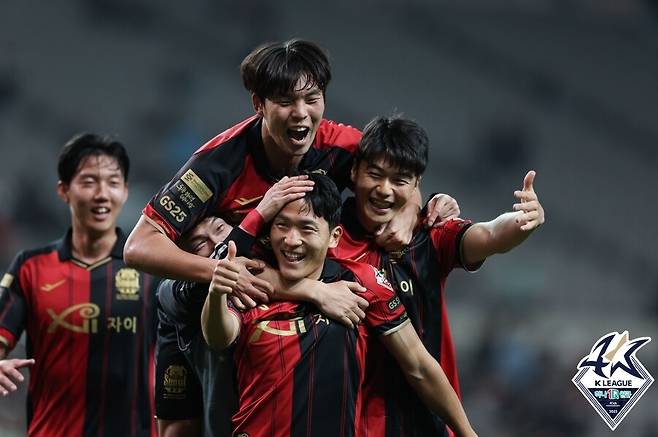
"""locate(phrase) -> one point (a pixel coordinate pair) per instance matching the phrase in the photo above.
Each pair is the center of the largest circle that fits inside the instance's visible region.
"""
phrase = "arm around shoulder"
(148, 249)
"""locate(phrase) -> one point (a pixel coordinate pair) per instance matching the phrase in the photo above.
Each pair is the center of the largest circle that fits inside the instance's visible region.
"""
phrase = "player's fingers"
(354, 287)
(433, 211)
(246, 299)
(526, 206)
(529, 180)
(354, 317)
(19, 363)
(346, 321)
(232, 251)
(237, 303)
(262, 285)
(361, 302)
(525, 195)
(7, 385)
(15, 375)
(359, 313)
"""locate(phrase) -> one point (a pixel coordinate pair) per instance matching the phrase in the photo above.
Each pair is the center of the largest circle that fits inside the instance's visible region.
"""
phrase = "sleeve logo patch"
(393, 303)
(197, 186)
(7, 280)
(381, 279)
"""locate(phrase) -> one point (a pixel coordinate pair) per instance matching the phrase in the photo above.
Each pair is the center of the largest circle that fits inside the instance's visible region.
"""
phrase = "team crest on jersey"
(612, 378)
(126, 281)
(381, 279)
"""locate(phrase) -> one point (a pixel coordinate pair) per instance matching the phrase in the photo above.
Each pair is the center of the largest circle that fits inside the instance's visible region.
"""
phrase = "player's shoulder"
(27, 254)
(333, 134)
(453, 226)
(230, 136)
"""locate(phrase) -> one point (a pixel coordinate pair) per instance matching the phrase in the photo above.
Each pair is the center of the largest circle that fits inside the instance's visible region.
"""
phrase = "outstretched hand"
(9, 374)
(232, 276)
(533, 212)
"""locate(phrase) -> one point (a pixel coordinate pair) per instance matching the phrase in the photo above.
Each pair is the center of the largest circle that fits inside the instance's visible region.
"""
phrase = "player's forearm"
(432, 386)
(150, 251)
(218, 325)
(500, 235)
(306, 290)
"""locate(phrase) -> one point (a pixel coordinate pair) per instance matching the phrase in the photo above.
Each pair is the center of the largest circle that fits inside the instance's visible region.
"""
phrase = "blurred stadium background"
(565, 87)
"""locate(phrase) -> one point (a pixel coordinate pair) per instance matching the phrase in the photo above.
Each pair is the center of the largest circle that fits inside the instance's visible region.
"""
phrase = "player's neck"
(91, 247)
(280, 164)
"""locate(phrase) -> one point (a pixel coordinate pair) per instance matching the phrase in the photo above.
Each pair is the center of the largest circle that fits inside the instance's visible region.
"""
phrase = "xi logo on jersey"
(612, 378)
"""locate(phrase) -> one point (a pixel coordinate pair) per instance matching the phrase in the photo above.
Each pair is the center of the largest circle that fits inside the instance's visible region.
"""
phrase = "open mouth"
(100, 212)
(298, 134)
(380, 206)
(293, 257)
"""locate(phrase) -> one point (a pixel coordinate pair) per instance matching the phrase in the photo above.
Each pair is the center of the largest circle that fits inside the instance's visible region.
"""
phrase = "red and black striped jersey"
(300, 373)
(91, 331)
(418, 275)
(229, 175)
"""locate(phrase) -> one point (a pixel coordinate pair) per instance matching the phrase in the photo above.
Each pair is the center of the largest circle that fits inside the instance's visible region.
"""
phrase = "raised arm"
(427, 378)
(151, 251)
(506, 231)
(220, 326)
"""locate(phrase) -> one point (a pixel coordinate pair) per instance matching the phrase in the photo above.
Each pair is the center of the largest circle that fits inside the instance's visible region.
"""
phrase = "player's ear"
(418, 178)
(353, 171)
(334, 236)
(63, 191)
(257, 103)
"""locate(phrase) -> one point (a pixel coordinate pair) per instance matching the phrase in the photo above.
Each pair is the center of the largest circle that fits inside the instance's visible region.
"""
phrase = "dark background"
(565, 87)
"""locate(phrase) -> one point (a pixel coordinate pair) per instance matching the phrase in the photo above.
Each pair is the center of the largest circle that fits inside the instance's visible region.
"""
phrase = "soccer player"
(89, 319)
(389, 162)
(228, 176)
(298, 371)
(181, 303)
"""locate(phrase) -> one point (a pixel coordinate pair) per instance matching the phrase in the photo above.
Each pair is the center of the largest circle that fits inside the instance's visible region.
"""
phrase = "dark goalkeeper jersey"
(91, 331)
(300, 373)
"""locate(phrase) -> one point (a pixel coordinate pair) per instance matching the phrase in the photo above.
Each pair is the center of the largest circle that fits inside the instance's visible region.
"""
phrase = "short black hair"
(324, 200)
(273, 69)
(400, 141)
(84, 145)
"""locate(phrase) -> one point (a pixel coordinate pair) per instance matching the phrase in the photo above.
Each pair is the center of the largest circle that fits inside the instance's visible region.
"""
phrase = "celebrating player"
(389, 162)
(90, 320)
(298, 371)
(229, 175)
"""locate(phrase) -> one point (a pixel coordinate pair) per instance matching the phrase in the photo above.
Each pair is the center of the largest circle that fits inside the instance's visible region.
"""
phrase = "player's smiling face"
(96, 194)
(203, 238)
(290, 122)
(300, 241)
(381, 190)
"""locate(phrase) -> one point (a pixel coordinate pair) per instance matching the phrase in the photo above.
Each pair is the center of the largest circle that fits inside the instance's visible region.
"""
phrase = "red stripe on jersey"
(60, 379)
(228, 134)
(244, 193)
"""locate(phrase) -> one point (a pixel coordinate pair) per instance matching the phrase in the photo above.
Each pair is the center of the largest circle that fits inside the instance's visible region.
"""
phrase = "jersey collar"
(65, 249)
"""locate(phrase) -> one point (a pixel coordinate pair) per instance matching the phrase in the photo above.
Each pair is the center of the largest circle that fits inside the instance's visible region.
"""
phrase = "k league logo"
(612, 378)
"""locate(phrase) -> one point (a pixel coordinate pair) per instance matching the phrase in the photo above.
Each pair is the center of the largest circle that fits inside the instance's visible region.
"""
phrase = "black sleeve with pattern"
(13, 307)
